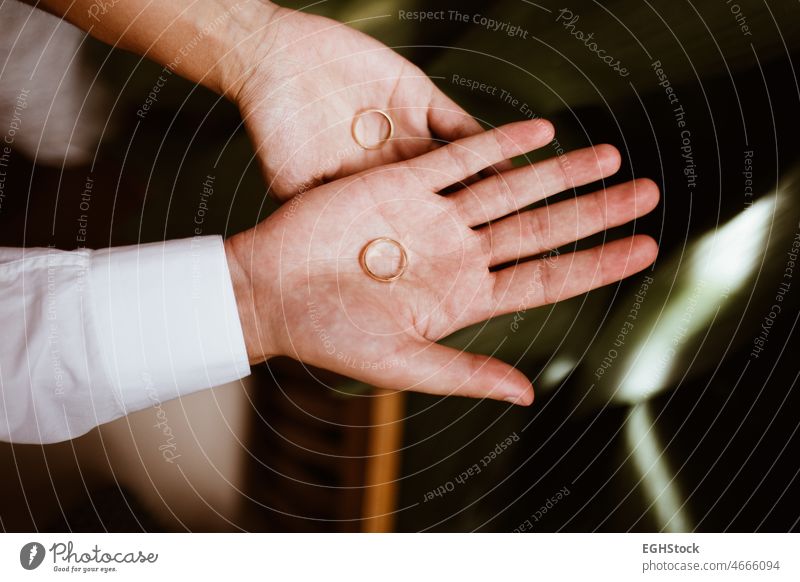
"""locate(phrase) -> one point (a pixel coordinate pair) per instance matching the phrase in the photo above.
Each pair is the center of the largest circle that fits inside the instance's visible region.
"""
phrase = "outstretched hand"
(313, 76)
(303, 293)
(298, 79)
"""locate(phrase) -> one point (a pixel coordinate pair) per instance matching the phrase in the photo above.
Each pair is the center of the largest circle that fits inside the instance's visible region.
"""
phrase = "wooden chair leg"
(383, 463)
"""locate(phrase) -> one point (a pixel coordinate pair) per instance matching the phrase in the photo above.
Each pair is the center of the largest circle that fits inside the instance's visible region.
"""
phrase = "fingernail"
(515, 399)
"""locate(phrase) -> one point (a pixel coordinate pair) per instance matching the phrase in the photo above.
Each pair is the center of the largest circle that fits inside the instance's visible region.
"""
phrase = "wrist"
(262, 61)
(243, 47)
(254, 299)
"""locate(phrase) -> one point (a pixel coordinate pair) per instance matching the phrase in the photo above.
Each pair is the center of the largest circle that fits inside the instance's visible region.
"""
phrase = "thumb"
(437, 369)
(448, 122)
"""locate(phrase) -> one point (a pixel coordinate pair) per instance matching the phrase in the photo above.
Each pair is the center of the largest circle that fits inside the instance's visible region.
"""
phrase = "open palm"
(316, 75)
(309, 298)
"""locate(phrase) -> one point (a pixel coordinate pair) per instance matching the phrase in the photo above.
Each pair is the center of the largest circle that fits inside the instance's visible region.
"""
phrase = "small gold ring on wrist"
(362, 259)
(381, 142)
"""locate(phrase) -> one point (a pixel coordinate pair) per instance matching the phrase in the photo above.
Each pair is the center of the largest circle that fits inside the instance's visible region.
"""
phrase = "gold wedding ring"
(380, 142)
(383, 275)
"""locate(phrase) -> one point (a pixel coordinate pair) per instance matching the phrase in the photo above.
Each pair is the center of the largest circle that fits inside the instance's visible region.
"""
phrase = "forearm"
(211, 42)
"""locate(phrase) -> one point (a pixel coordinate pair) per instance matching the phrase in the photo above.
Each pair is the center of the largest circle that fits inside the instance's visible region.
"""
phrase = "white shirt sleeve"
(89, 336)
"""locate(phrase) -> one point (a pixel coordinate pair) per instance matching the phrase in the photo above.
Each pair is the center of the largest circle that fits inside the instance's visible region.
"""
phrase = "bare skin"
(302, 293)
(298, 104)
(298, 80)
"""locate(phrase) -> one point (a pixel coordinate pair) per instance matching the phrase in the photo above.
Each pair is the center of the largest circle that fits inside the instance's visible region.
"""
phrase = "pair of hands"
(300, 288)
(297, 279)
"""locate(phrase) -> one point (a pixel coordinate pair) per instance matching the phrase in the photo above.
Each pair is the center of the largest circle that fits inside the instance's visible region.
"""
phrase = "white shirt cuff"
(166, 319)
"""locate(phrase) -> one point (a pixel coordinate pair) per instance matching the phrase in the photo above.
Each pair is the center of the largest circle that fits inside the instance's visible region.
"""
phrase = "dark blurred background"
(668, 402)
